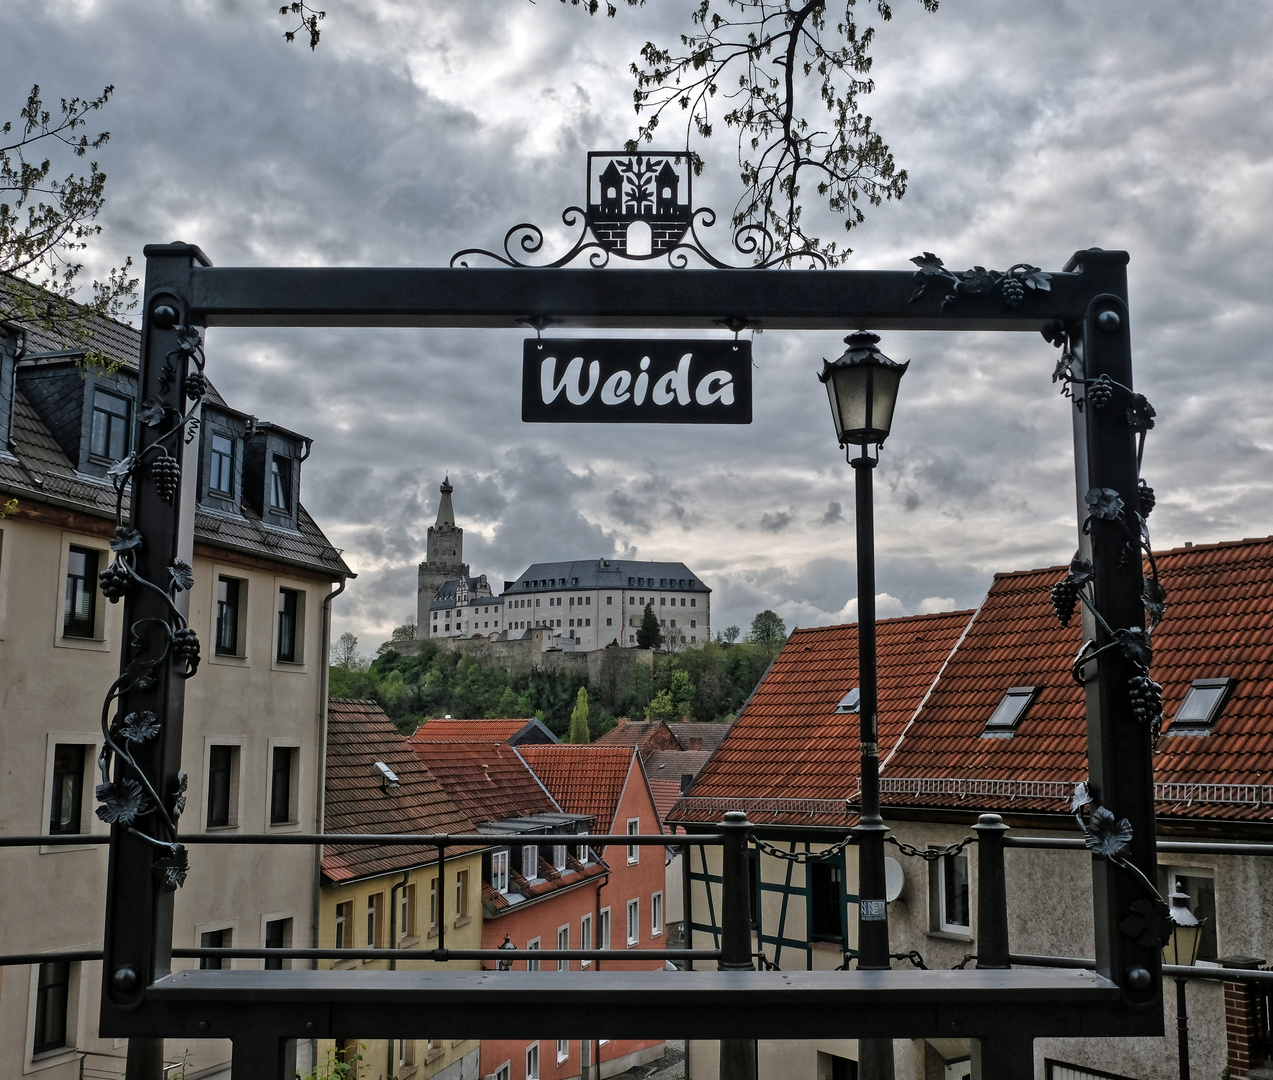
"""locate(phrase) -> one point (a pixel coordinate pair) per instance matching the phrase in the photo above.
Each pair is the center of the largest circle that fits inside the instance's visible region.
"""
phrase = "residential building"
(263, 582)
(513, 732)
(393, 897)
(979, 713)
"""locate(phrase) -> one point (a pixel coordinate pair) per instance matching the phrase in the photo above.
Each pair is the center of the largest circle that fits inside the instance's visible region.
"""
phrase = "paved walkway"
(672, 1067)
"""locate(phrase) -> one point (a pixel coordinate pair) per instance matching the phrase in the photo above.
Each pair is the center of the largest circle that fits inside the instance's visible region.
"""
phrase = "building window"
(344, 915)
(1199, 885)
(52, 1006)
(634, 922)
(375, 919)
(280, 483)
(954, 912)
(109, 438)
(656, 914)
(1010, 710)
(693, 602)
(499, 871)
(609, 622)
(563, 942)
(223, 786)
(215, 939)
(585, 938)
(532, 1062)
(563, 1050)
(461, 894)
(634, 850)
(79, 618)
(433, 905)
(221, 473)
(66, 805)
(532, 965)
(1201, 705)
(291, 611)
(283, 809)
(278, 935)
(826, 901)
(559, 856)
(603, 938)
(530, 861)
(406, 912)
(503, 1072)
(228, 591)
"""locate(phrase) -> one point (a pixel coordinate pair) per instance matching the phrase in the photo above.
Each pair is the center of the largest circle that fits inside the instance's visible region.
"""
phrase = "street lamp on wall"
(1182, 950)
(862, 386)
(506, 965)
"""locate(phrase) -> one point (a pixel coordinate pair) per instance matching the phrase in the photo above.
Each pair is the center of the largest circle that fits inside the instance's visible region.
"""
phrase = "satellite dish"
(894, 879)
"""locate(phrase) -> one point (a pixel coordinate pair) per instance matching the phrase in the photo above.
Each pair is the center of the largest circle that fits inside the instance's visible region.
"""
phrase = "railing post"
(737, 1056)
(992, 893)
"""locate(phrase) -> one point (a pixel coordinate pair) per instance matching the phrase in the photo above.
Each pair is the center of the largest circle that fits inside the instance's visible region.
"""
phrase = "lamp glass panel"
(850, 398)
(1183, 946)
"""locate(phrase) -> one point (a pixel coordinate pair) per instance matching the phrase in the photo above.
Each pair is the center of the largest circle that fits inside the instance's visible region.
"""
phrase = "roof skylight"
(1011, 709)
(1201, 704)
(851, 702)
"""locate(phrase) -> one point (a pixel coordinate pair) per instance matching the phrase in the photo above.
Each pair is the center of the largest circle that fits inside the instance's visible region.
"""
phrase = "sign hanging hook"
(539, 323)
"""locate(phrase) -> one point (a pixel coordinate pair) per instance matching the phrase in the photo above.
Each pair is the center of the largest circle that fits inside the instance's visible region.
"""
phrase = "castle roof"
(606, 574)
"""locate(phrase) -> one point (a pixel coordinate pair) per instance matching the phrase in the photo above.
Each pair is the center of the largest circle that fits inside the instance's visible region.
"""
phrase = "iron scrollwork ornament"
(132, 802)
(640, 208)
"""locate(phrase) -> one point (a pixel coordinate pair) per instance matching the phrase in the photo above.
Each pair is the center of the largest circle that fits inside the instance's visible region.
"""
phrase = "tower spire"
(446, 515)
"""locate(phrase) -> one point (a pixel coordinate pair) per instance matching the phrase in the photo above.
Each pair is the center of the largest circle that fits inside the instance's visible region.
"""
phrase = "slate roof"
(117, 339)
(488, 781)
(671, 764)
(711, 735)
(359, 734)
(605, 574)
(583, 779)
(789, 757)
(445, 595)
(514, 732)
(1219, 624)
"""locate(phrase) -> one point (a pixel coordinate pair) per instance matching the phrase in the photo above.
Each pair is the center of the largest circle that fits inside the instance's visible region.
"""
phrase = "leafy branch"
(310, 18)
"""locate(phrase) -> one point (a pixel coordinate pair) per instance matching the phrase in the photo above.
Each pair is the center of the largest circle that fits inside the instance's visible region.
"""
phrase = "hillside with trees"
(707, 682)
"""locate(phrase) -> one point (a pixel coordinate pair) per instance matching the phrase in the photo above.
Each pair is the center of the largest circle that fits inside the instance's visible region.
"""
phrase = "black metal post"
(1182, 1028)
(875, 1056)
(992, 893)
(737, 1056)
(1008, 1056)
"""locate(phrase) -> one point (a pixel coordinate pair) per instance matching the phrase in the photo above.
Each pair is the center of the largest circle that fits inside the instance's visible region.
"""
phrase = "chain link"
(929, 854)
(913, 956)
(800, 856)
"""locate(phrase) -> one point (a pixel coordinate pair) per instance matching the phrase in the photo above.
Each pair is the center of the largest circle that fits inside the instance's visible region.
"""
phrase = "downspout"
(393, 944)
(19, 351)
(321, 781)
(596, 938)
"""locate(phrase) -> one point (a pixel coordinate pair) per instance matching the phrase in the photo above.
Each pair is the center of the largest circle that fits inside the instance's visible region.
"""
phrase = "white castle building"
(587, 603)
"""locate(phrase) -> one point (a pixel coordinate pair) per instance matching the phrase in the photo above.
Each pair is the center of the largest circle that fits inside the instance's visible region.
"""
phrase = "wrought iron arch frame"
(1084, 308)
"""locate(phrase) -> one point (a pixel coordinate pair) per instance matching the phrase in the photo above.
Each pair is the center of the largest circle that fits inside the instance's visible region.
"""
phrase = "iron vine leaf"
(126, 539)
(1149, 924)
(182, 574)
(188, 339)
(172, 871)
(1134, 643)
(1154, 598)
(1105, 503)
(1082, 797)
(151, 412)
(1106, 836)
(179, 794)
(1081, 572)
(1035, 278)
(139, 727)
(122, 467)
(122, 803)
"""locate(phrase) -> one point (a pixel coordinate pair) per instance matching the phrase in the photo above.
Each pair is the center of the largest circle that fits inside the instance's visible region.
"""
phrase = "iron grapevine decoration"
(640, 208)
(1012, 284)
(132, 802)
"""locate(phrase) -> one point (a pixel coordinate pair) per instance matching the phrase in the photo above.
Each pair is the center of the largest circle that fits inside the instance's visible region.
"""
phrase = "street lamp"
(506, 965)
(1182, 950)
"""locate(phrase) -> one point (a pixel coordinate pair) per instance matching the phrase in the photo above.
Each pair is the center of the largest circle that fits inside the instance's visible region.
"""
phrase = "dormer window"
(530, 861)
(1010, 710)
(1201, 705)
(851, 702)
(499, 871)
(559, 856)
(221, 474)
(280, 483)
(109, 438)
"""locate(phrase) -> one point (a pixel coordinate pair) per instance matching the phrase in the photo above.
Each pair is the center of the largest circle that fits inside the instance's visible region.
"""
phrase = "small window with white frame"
(499, 871)
(952, 912)
(656, 914)
(603, 935)
(504, 1072)
(634, 850)
(563, 1050)
(585, 937)
(559, 856)
(530, 861)
(532, 1061)
(222, 765)
(82, 617)
(563, 942)
(533, 944)
(634, 922)
(231, 625)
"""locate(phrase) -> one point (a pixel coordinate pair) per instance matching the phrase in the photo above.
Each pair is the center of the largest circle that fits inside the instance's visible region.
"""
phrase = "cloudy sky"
(419, 127)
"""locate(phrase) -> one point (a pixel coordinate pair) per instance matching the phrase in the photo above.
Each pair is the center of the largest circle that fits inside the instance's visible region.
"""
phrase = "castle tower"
(444, 557)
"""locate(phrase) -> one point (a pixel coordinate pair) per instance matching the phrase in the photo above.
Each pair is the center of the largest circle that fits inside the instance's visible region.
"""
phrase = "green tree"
(345, 653)
(661, 707)
(579, 718)
(649, 636)
(767, 630)
(47, 217)
(731, 634)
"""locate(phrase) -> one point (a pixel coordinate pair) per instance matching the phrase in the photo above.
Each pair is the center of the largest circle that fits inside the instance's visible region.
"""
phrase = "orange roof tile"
(665, 793)
(583, 779)
(1219, 624)
(790, 757)
(358, 735)
(506, 731)
(487, 780)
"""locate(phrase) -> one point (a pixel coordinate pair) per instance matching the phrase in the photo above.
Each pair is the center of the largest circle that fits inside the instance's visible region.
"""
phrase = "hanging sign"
(624, 381)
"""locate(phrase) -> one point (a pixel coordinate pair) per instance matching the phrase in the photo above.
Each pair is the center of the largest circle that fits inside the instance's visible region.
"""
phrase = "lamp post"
(506, 965)
(862, 386)
(1182, 949)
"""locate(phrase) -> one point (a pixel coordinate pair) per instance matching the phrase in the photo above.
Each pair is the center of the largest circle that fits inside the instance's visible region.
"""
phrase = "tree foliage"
(788, 77)
(649, 635)
(579, 719)
(768, 630)
(47, 217)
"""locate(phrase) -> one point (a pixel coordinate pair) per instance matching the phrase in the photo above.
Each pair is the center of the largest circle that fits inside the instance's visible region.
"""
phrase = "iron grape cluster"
(166, 474)
(114, 581)
(1145, 697)
(1065, 595)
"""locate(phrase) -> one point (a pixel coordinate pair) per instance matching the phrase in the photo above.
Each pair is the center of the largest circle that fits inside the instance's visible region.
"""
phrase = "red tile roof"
(583, 779)
(358, 735)
(487, 780)
(1219, 624)
(790, 757)
(449, 730)
(665, 793)
(648, 735)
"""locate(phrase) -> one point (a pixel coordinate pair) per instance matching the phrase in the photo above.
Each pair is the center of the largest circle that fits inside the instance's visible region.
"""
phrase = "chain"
(968, 958)
(913, 956)
(766, 964)
(800, 856)
(929, 854)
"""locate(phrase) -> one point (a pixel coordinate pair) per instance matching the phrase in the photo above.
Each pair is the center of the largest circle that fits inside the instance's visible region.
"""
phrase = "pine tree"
(579, 719)
(649, 636)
